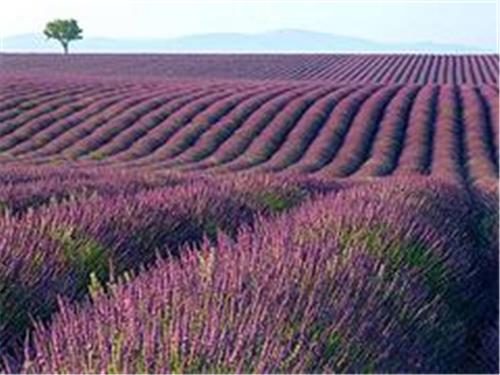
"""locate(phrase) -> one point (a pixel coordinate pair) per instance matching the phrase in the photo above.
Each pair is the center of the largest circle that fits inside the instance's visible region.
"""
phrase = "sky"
(471, 22)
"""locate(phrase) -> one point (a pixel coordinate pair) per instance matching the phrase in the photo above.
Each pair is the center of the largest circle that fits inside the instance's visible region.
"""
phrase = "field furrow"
(388, 141)
(327, 143)
(416, 149)
(263, 146)
(358, 141)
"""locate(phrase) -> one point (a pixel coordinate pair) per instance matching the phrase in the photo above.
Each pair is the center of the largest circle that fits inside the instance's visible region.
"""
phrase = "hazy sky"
(464, 22)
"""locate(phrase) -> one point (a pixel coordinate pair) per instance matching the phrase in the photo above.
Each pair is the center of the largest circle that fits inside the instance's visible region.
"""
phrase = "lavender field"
(249, 213)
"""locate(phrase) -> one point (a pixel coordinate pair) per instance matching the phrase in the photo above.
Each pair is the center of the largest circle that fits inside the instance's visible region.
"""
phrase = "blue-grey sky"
(471, 22)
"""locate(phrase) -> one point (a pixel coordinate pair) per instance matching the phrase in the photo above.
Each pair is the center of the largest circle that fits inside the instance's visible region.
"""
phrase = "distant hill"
(280, 41)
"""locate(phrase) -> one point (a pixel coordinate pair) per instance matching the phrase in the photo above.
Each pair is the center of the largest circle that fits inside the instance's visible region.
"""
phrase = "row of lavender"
(59, 226)
(394, 275)
(326, 129)
(345, 68)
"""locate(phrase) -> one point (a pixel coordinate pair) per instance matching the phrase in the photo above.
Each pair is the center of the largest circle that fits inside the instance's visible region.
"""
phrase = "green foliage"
(95, 287)
(398, 252)
(210, 228)
(12, 301)
(85, 255)
(274, 202)
(279, 200)
(3, 208)
(97, 156)
(332, 344)
(380, 242)
(293, 356)
(416, 255)
(25, 106)
(116, 349)
(175, 361)
(140, 363)
(63, 31)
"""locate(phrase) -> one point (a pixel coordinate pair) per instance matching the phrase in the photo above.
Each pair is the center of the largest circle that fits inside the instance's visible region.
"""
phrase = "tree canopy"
(64, 31)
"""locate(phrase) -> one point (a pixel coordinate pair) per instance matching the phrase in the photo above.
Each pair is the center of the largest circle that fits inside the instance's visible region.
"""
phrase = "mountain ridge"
(274, 41)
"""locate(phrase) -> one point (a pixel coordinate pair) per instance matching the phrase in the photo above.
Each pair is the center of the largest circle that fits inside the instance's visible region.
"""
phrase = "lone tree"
(64, 31)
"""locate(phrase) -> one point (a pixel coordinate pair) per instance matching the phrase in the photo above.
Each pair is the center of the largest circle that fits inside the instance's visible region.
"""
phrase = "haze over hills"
(278, 41)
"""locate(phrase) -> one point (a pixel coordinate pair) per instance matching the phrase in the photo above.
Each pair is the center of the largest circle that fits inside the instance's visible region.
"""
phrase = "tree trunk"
(65, 47)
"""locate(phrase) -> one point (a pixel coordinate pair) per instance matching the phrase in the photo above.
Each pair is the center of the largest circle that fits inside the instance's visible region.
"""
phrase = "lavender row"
(358, 139)
(113, 224)
(378, 278)
(241, 138)
(261, 147)
(345, 68)
(362, 131)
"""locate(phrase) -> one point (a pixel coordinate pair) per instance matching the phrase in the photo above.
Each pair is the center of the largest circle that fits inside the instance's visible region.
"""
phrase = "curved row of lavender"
(341, 68)
(60, 225)
(319, 128)
(396, 275)
(392, 275)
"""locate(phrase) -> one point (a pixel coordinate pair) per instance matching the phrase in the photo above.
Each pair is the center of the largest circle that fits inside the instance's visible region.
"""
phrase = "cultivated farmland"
(249, 213)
